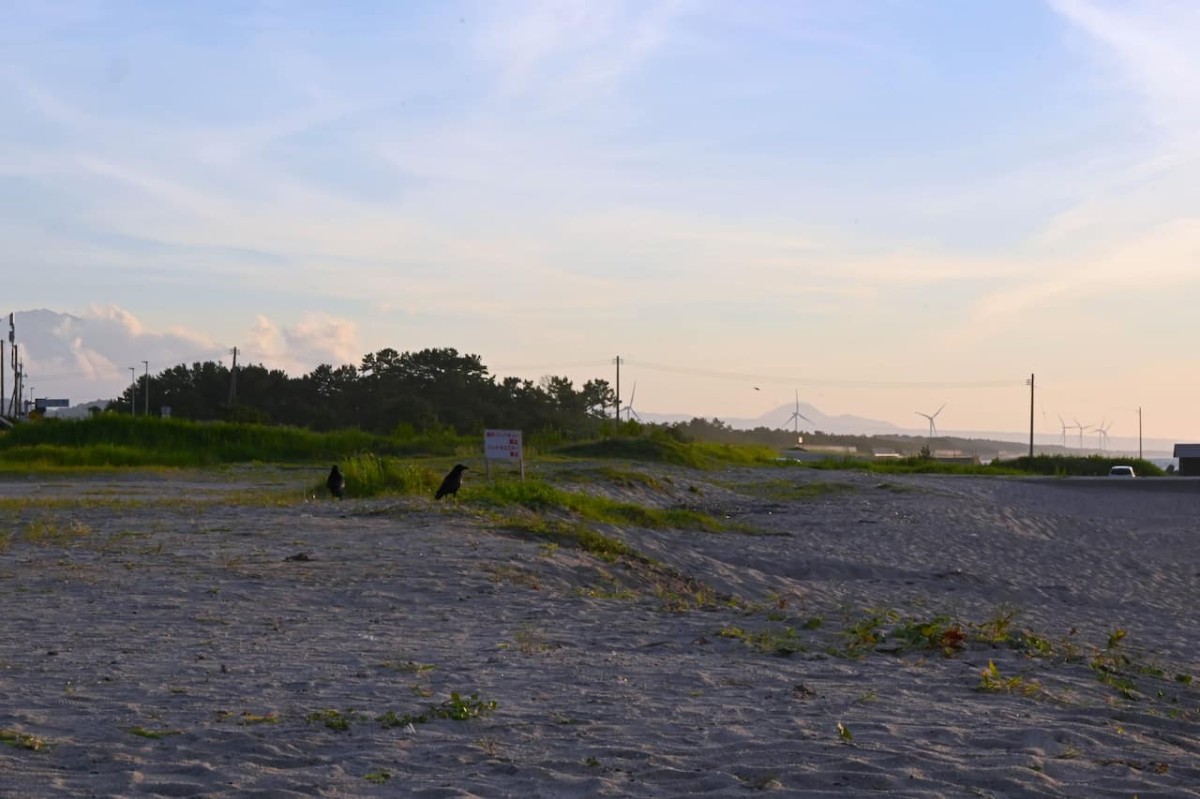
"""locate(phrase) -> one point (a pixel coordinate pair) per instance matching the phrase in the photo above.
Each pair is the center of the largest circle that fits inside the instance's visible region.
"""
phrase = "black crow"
(452, 483)
(336, 482)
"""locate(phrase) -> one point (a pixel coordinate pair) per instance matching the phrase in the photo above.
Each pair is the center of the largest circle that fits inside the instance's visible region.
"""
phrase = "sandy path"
(184, 619)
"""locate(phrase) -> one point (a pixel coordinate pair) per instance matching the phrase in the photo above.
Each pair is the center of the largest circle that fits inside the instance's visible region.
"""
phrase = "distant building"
(1189, 459)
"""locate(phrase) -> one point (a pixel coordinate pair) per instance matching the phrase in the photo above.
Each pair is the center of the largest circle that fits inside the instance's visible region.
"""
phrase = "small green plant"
(678, 594)
(771, 641)
(378, 777)
(21, 740)
(248, 719)
(940, 633)
(1031, 644)
(608, 591)
(998, 628)
(515, 575)
(142, 732)
(54, 532)
(462, 708)
(991, 681)
(1109, 663)
(334, 719)
(865, 634)
(456, 708)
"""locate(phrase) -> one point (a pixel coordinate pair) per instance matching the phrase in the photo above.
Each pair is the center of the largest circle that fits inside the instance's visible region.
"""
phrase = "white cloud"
(296, 349)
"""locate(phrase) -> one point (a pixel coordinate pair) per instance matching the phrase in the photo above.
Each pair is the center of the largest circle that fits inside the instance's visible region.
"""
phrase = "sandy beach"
(850, 634)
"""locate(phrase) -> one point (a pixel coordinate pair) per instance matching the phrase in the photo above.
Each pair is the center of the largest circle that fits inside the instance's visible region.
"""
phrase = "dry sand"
(167, 607)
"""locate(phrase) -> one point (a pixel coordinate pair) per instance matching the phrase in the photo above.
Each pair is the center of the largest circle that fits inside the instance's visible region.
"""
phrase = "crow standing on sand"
(452, 483)
(336, 482)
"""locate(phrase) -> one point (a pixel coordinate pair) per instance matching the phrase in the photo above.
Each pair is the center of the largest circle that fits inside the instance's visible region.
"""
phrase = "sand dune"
(170, 637)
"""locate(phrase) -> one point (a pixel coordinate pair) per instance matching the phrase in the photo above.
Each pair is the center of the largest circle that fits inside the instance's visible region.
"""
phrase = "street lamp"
(132, 391)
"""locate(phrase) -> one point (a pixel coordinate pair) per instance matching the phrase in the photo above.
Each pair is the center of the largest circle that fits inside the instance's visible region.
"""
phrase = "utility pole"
(18, 383)
(233, 379)
(16, 367)
(1031, 415)
(133, 391)
(12, 344)
(617, 361)
(147, 391)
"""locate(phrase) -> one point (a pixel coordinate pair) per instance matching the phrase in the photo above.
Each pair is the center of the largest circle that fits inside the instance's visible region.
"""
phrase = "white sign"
(502, 445)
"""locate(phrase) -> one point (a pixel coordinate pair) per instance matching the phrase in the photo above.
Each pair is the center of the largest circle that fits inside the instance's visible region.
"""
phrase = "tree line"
(429, 390)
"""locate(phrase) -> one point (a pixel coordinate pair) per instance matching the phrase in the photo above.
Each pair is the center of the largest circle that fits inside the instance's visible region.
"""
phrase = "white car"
(1121, 471)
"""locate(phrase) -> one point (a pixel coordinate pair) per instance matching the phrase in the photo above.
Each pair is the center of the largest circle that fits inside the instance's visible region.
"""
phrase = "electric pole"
(617, 361)
(133, 391)
(147, 390)
(12, 345)
(233, 379)
(16, 367)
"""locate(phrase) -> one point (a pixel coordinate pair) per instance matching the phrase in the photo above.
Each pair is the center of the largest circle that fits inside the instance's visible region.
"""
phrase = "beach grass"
(115, 441)
(543, 498)
(667, 450)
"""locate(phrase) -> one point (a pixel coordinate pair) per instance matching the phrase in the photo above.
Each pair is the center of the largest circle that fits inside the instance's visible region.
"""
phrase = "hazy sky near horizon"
(885, 205)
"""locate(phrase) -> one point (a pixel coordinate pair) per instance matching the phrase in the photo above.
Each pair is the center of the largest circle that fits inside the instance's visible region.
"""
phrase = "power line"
(808, 381)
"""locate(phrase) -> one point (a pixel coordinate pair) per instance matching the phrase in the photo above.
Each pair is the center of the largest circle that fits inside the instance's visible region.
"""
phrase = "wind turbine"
(1082, 427)
(797, 416)
(931, 417)
(1102, 434)
(628, 409)
(1064, 431)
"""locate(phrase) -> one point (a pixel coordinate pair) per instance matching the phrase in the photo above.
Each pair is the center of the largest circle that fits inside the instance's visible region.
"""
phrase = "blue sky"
(885, 205)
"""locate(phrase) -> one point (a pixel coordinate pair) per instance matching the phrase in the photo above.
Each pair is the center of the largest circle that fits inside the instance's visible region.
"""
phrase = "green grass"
(907, 466)
(1090, 466)
(21, 740)
(624, 478)
(662, 449)
(369, 475)
(112, 440)
(541, 498)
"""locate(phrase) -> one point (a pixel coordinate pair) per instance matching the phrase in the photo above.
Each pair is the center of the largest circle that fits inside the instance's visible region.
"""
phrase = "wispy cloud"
(1136, 227)
(1152, 44)
(568, 51)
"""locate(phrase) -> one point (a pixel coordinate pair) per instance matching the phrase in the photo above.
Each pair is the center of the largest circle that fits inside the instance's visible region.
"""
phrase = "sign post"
(503, 445)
